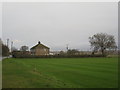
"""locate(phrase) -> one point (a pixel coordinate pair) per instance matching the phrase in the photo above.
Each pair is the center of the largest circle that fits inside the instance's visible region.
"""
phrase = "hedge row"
(55, 56)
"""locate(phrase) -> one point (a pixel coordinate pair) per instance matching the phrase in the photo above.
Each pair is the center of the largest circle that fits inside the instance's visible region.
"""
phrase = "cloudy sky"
(58, 24)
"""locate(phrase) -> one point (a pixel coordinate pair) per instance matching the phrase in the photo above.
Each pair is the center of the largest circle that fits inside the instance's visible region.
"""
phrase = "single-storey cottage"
(40, 49)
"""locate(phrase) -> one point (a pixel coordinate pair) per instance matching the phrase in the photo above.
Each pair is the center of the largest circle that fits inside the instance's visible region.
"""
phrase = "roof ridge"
(39, 44)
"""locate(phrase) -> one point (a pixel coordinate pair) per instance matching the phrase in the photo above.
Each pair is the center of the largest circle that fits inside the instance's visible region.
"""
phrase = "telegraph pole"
(8, 42)
(8, 45)
(11, 45)
(67, 47)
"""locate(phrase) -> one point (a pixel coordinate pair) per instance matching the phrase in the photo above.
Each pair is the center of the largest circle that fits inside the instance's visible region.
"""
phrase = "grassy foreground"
(60, 73)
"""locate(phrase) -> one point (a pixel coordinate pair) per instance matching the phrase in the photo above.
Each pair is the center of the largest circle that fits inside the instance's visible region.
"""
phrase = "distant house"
(40, 49)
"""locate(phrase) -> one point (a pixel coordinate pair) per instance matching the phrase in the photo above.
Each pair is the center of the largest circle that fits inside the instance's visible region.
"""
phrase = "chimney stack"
(39, 42)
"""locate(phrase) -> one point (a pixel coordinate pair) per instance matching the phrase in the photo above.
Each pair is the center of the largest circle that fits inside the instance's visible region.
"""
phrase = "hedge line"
(56, 56)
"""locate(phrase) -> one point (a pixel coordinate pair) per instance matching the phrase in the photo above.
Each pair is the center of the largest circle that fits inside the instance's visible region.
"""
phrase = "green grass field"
(60, 73)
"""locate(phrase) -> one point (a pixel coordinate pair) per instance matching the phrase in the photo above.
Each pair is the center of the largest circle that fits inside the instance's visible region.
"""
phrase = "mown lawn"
(60, 73)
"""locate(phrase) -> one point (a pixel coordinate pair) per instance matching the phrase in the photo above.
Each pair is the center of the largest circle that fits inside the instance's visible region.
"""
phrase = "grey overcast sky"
(58, 24)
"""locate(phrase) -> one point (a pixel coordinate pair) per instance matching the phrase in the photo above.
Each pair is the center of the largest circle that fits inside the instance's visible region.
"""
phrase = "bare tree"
(1, 43)
(102, 41)
(72, 52)
(14, 49)
(24, 48)
(0, 47)
(5, 50)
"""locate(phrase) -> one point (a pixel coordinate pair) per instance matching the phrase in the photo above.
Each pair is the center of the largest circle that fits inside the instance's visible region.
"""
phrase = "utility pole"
(11, 45)
(8, 45)
(67, 47)
(8, 42)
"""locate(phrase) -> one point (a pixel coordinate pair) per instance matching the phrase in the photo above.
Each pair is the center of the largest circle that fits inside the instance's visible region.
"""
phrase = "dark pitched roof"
(40, 45)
